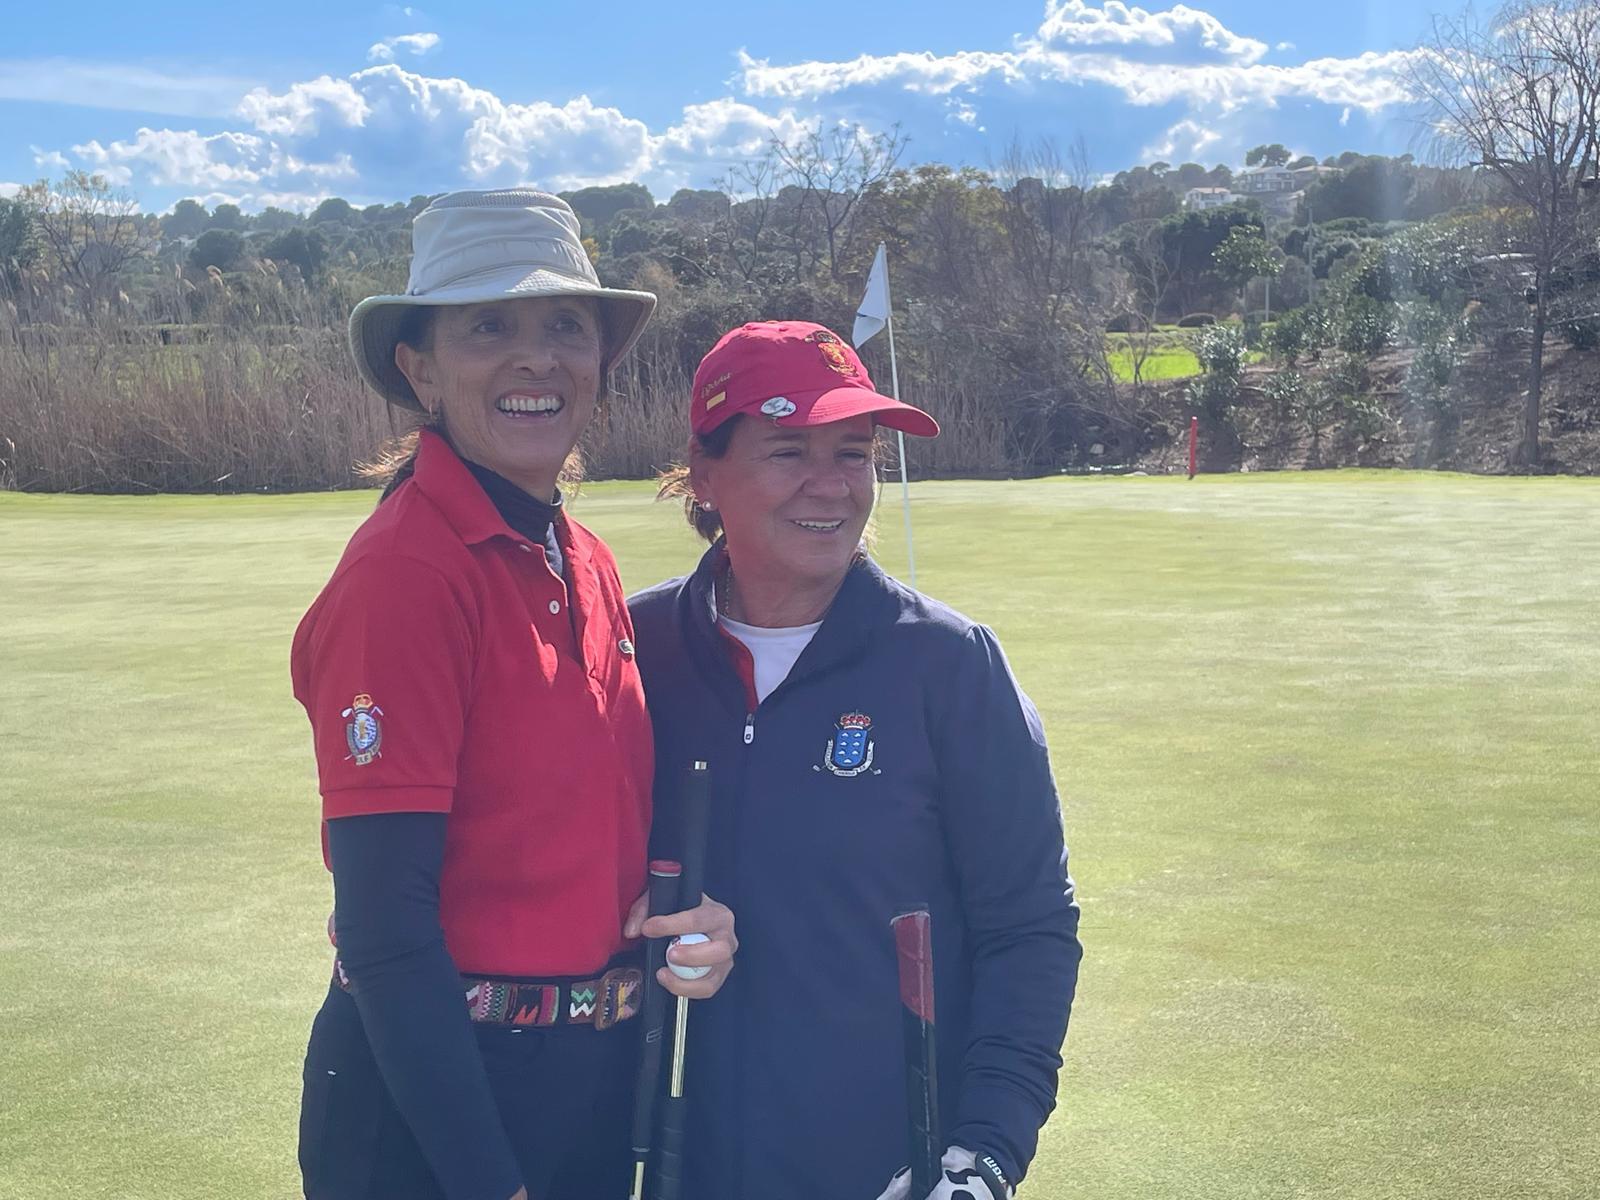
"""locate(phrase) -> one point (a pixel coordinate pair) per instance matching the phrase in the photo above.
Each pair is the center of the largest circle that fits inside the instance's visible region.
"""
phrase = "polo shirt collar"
(446, 481)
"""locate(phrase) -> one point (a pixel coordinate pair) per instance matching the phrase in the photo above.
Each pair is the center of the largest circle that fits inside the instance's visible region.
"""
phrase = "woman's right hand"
(709, 917)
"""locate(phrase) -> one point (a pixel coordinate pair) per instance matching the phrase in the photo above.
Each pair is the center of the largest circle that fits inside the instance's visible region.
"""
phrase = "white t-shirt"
(773, 650)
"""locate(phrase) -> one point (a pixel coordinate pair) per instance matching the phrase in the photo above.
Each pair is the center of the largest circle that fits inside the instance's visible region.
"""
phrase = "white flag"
(873, 314)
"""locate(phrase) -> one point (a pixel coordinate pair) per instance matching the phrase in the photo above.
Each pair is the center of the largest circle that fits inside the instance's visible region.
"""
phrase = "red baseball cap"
(797, 373)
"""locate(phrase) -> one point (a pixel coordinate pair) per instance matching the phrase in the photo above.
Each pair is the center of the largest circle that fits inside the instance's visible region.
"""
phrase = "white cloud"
(558, 145)
(385, 132)
(1179, 31)
(301, 109)
(123, 86)
(1182, 55)
(8, 190)
(180, 157)
(50, 160)
(1186, 141)
(913, 72)
(960, 112)
(726, 129)
(1344, 117)
(416, 44)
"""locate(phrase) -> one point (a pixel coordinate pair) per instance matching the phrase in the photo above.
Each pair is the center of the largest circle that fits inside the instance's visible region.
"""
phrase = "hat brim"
(843, 403)
(375, 322)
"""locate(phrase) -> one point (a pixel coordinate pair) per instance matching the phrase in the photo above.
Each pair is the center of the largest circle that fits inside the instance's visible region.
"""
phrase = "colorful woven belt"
(601, 1001)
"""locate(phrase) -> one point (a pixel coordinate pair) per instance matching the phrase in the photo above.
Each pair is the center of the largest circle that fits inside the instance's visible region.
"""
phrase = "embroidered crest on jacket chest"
(850, 750)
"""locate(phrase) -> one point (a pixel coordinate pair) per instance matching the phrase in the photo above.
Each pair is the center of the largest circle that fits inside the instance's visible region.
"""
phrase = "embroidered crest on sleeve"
(849, 750)
(363, 732)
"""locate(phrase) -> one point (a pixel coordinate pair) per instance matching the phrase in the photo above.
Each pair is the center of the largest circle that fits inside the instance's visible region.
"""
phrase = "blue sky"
(291, 102)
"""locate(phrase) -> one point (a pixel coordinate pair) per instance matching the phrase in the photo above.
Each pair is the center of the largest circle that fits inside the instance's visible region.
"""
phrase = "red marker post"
(1194, 445)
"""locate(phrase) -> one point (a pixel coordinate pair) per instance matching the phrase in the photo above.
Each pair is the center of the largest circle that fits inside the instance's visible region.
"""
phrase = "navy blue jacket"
(898, 763)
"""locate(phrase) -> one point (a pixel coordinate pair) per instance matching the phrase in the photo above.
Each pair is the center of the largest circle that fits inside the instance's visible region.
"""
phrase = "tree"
(1144, 256)
(1274, 155)
(187, 219)
(598, 206)
(1519, 97)
(334, 210)
(18, 246)
(1190, 239)
(1301, 163)
(306, 250)
(90, 232)
(219, 248)
(705, 207)
(1245, 255)
(832, 172)
(1372, 187)
(276, 220)
(227, 216)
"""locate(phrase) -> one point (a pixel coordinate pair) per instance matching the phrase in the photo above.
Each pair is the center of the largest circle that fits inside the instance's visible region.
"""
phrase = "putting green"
(1327, 743)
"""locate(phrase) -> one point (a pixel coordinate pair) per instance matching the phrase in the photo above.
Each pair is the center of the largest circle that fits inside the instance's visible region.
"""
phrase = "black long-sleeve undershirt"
(391, 945)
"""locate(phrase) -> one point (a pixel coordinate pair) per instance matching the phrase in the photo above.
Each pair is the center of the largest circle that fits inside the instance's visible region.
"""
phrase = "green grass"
(1327, 744)
(1167, 362)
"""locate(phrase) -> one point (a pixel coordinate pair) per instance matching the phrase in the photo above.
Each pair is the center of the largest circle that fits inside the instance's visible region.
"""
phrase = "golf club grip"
(663, 892)
(696, 823)
(913, 945)
(669, 1153)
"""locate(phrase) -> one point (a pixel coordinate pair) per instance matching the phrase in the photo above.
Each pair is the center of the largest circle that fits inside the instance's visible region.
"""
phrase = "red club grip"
(913, 945)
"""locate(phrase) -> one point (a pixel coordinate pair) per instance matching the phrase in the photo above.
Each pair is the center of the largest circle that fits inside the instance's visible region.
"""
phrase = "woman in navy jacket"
(869, 747)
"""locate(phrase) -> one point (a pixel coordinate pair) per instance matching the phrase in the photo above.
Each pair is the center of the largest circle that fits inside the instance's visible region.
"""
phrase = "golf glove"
(967, 1176)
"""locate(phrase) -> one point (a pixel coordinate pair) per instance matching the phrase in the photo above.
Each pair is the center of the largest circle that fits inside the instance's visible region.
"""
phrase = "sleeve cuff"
(365, 802)
(1000, 1122)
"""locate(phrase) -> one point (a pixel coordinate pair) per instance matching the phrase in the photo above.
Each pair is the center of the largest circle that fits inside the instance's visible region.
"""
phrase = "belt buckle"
(620, 989)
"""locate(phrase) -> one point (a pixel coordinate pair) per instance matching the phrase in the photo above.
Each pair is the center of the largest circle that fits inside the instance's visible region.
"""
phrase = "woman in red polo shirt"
(483, 748)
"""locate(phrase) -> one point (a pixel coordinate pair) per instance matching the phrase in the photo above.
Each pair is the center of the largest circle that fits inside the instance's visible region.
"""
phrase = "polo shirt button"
(555, 606)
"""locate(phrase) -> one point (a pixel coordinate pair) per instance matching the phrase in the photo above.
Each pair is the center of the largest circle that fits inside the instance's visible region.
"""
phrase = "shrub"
(1582, 333)
(1220, 349)
(1364, 325)
(1127, 322)
(1288, 336)
(1196, 321)
(1285, 391)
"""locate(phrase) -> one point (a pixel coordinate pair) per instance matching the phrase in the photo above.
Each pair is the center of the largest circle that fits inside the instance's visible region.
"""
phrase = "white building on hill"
(1200, 199)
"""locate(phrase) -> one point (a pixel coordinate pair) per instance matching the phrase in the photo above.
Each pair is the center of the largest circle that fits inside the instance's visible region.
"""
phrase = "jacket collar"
(864, 603)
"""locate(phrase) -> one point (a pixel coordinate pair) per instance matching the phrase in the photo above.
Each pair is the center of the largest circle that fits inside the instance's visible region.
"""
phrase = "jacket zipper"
(749, 728)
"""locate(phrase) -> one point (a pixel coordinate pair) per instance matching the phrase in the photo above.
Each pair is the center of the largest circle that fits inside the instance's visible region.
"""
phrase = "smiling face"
(515, 382)
(793, 502)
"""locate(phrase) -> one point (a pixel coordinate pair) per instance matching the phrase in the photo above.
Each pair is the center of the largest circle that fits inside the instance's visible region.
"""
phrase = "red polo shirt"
(446, 668)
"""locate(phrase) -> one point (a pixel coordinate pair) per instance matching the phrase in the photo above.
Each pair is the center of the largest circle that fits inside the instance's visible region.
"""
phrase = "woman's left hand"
(708, 917)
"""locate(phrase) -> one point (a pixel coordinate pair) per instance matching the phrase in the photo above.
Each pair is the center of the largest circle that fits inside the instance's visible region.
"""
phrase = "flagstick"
(905, 486)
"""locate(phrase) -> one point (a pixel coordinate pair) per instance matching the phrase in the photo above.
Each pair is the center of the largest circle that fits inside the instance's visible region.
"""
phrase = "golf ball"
(689, 939)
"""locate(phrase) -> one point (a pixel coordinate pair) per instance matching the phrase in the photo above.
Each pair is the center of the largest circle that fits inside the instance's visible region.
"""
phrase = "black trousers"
(565, 1096)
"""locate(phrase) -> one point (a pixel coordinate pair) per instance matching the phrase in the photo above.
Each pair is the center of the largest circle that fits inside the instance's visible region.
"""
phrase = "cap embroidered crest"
(778, 406)
(364, 732)
(832, 351)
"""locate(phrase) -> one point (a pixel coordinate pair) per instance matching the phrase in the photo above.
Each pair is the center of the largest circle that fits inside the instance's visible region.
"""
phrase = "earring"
(707, 506)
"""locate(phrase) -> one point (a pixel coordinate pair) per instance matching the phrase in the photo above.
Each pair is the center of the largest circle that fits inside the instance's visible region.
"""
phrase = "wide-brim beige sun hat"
(473, 247)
